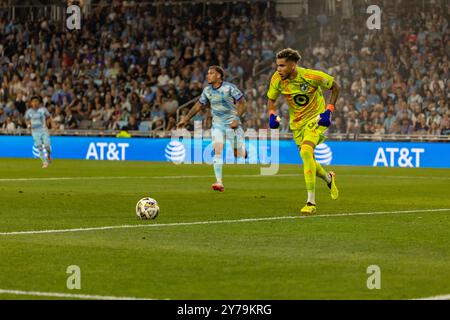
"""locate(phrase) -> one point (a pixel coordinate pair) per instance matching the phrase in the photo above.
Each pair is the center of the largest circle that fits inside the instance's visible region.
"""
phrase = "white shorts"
(41, 137)
(235, 137)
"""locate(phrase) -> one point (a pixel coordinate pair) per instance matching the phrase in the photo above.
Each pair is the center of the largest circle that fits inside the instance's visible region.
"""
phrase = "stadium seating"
(379, 72)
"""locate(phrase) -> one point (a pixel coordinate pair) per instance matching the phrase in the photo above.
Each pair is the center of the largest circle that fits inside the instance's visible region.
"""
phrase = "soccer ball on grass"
(147, 209)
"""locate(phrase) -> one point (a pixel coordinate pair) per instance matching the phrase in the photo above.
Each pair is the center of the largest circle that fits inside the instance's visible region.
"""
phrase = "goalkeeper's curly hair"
(290, 55)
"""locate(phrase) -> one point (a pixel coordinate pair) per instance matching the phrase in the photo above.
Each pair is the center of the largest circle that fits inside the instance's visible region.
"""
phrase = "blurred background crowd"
(135, 69)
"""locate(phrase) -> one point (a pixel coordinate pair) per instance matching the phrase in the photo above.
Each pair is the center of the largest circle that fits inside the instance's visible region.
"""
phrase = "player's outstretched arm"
(274, 119)
(194, 110)
(325, 118)
(335, 89)
(241, 108)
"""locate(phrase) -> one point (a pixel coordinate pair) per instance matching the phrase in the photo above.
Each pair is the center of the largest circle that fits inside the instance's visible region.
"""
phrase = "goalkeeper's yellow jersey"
(303, 94)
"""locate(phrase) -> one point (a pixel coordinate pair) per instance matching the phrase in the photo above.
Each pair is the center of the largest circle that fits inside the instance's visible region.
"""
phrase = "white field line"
(440, 297)
(156, 225)
(98, 178)
(99, 297)
(66, 295)
(211, 176)
(141, 177)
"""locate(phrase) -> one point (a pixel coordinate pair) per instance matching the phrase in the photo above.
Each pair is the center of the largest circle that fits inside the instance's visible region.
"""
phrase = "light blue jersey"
(39, 131)
(38, 118)
(222, 101)
(223, 109)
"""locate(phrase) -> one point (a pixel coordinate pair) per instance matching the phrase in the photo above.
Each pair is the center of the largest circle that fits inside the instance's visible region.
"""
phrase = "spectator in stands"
(339, 126)
(132, 124)
(98, 113)
(445, 124)
(421, 126)
(69, 121)
(434, 129)
(145, 114)
(435, 117)
(406, 126)
(57, 120)
(373, 98)
(9, 125)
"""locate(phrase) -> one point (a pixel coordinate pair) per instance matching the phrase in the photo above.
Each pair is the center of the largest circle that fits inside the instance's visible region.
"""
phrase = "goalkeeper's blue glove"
(274, 121)
(325, 118)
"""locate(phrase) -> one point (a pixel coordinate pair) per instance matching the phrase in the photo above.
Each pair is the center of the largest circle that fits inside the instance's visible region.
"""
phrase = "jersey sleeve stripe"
(314, 77)
(275, 78)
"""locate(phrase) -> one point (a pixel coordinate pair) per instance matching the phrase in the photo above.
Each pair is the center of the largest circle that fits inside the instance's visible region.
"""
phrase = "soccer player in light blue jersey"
(36, 117)
(228, 105)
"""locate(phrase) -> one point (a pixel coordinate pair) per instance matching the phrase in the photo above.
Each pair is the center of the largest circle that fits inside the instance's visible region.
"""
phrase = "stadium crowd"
(130, 69)
(396, 80)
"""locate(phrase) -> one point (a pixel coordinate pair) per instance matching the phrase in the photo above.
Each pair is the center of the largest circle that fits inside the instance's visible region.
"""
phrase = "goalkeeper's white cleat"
(334, 192)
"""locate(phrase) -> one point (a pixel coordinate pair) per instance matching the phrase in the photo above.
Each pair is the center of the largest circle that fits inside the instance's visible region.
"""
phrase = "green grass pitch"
(322, 257)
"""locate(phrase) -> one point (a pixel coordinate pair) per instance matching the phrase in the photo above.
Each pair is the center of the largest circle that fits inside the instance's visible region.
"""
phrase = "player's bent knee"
(239, 152)
(218, 149)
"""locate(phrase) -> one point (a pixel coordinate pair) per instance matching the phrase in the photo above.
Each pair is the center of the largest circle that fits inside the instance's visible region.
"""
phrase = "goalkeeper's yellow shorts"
(311, 132)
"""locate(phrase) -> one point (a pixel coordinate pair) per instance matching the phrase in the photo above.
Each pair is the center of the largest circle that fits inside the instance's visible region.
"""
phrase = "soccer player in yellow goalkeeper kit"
(309, 115)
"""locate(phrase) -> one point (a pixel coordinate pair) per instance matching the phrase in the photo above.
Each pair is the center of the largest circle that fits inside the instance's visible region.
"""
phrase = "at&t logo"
(175, 152)
(323, 154)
